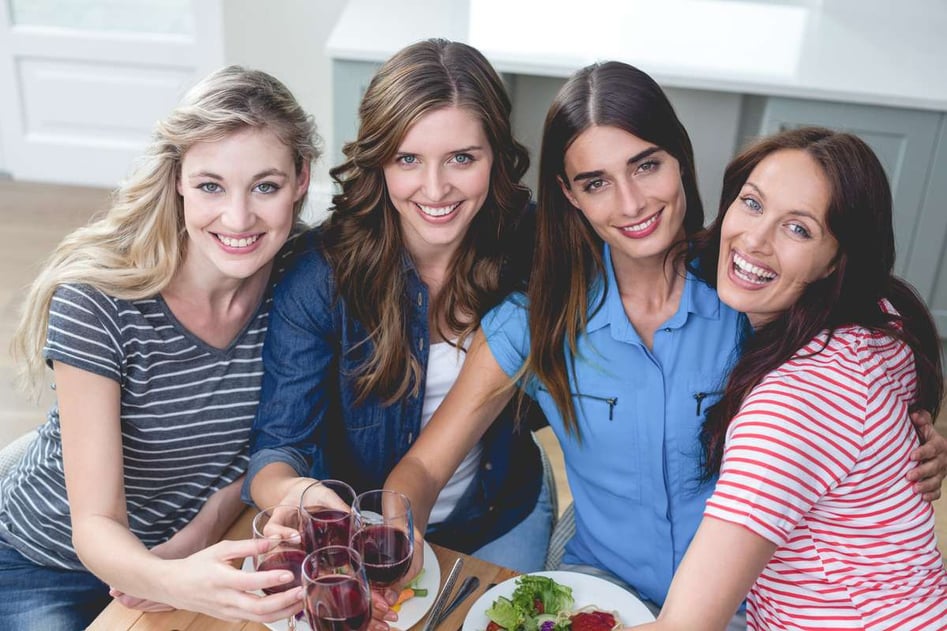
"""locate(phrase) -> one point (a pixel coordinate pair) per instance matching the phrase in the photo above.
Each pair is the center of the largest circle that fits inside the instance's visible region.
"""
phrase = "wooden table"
(117, 617)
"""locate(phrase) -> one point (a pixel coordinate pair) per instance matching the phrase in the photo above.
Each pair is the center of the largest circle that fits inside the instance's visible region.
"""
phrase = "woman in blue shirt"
(621, 347)
(370, 324)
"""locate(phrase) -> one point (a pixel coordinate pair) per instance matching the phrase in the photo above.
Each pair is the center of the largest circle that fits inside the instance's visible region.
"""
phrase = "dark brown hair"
(859, 217)
(363, 237)
(568, 265)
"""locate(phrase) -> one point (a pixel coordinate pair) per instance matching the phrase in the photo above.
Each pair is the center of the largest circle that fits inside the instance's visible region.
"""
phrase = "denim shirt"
(308, 416)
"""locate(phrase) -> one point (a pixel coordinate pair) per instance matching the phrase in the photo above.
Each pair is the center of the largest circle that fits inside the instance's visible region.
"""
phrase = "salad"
(541, 604)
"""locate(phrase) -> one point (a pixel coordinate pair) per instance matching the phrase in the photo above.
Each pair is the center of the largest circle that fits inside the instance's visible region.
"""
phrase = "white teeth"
(750, 272)
(638, 227)
(238, 243)
(438, 212)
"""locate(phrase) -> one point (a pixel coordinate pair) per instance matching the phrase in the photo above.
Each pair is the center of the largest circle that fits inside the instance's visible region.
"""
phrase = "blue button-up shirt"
(308, 417)
(635, 475)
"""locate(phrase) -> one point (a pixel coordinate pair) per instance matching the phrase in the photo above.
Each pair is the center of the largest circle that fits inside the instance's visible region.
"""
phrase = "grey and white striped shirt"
(186, 412)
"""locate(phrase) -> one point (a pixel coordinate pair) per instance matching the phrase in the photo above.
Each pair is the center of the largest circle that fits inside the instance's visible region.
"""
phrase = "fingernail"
(391, 616)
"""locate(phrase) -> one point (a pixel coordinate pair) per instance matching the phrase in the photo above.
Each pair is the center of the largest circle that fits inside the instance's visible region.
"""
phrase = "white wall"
(287, 39)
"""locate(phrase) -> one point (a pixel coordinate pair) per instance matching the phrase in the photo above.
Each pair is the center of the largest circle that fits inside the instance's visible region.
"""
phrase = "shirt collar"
(697, 298)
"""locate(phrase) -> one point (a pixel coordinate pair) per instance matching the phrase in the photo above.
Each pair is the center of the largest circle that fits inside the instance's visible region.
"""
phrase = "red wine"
(287, 560)
(326, 527)
(386, 553)
(337, 603)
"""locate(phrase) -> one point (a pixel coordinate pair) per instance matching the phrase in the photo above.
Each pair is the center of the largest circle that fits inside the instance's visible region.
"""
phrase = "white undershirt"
(443, 365)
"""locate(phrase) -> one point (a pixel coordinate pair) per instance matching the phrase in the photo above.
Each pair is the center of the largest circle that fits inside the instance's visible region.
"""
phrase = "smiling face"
(775, 240)
(238, 195)
(439, 180)
(630, 190)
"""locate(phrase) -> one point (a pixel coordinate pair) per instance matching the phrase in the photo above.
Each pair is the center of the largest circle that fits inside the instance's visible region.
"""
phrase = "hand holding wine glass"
(281, 526)
(325, 508)
(383, 533)
(337, 594)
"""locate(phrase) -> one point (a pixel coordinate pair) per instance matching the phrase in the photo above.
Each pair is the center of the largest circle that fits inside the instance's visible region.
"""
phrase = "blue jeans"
(38, 598)
(524, 547)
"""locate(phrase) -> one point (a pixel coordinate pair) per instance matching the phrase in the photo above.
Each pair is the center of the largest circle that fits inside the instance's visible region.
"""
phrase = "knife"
(435, 614)
(470, 584)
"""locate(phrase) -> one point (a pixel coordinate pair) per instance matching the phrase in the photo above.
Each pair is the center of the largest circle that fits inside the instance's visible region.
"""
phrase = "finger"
(922, 418)
(927, 485)
(381, 610)
(259, 581)
(377, 625)
(230, 550)
(269, 608)
(932, 497)
(927, 451)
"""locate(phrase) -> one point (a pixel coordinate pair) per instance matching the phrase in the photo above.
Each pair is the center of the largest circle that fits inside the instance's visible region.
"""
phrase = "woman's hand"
(207, 582)
(928, 476)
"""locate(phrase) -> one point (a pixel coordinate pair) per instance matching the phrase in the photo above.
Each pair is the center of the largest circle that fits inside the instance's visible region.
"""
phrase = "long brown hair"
(363, 238)
(859, 217)
(134, 250)
(568, 266)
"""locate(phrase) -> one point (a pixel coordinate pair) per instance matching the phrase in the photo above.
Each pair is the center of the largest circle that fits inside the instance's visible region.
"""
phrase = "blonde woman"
(153, 319)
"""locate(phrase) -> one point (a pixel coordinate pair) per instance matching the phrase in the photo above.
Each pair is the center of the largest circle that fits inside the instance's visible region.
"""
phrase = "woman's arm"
(92, 452)
(717, 571)
(300, 368)
(480, 393)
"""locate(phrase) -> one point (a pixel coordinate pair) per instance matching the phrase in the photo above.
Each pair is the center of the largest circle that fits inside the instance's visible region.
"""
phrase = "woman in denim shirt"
(370, 325)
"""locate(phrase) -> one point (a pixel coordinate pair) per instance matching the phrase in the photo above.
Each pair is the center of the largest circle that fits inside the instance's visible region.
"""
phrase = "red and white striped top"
(815, 463)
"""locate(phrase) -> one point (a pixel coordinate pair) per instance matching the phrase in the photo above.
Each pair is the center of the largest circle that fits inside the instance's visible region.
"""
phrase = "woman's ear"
(567, 192)
(302, 181)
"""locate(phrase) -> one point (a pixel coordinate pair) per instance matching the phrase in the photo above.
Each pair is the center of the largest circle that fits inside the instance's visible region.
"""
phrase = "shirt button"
(667, 330)
(410, 437)
(492, 508)
(488, 466)
(420, 345)
(420, 299)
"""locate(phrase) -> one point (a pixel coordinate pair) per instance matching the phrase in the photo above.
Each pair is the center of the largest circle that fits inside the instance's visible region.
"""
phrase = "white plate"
(586, 590)
(411, 612)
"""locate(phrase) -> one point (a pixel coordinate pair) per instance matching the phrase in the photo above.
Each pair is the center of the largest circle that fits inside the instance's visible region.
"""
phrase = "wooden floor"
(34, 217)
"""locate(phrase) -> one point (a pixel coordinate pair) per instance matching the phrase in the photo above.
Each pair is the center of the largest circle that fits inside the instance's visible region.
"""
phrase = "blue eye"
(463, 158)
(752, 204)
(593, 185)
(407, 159)
(210, 187)
(799, 230)
(266, 188)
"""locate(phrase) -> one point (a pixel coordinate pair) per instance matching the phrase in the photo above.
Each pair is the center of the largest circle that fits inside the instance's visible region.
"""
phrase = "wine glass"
(383, 533)
(337, 595)
(281, 525)
(324, 521)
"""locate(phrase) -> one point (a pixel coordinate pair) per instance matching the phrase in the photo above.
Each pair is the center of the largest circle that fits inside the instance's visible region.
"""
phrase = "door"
(82, 82)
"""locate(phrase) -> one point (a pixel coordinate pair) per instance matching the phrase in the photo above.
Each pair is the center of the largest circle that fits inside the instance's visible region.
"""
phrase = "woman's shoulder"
(72, 298)
(302, 255)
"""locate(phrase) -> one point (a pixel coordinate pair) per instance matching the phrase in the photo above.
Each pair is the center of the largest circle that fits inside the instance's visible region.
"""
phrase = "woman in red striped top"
(811, 513)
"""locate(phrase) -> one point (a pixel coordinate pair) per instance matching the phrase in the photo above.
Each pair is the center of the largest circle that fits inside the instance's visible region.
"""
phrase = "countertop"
(875, 52)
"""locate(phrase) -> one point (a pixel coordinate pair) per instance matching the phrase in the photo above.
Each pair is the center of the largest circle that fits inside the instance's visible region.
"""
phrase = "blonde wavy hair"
(134, 250)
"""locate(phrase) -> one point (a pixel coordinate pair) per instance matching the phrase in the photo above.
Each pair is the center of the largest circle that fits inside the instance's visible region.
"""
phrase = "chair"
(549, 479)
(13, 453)
(561, 533)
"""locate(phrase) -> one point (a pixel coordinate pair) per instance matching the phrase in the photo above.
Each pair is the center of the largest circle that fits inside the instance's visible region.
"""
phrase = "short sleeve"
(84, 332)
(796, 437)
(506, 328)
